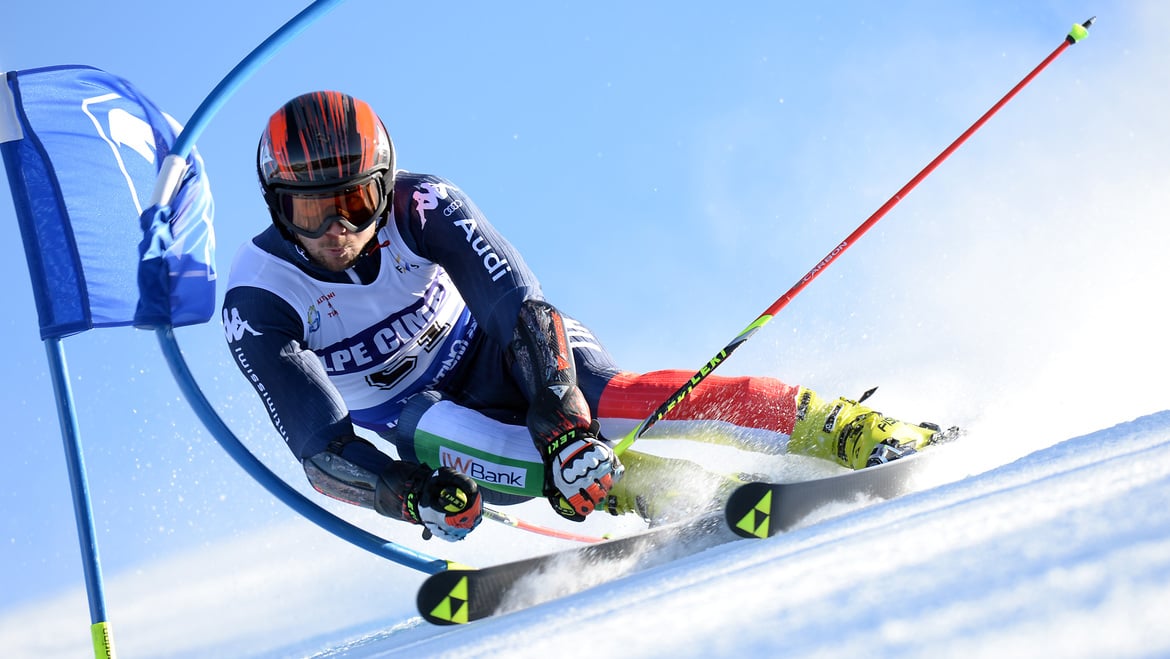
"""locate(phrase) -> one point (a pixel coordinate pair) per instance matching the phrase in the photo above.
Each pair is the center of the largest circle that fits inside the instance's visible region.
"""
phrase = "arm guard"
(548, 375)
(353, 470)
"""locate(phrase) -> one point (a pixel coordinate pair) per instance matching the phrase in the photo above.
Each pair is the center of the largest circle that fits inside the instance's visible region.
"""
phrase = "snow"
(1014, 295)
(1062, 552)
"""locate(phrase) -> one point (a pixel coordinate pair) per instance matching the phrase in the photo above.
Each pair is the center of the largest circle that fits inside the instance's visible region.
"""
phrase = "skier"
(384, 300)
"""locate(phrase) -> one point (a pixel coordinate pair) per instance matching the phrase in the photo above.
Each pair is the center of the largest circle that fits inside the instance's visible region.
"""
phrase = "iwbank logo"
(482, 470)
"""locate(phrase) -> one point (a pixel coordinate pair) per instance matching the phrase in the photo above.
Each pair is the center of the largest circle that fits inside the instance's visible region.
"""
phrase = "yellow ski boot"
(850, 434)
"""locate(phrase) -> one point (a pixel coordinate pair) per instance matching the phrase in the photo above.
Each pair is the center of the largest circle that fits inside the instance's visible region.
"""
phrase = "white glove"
(579, 470)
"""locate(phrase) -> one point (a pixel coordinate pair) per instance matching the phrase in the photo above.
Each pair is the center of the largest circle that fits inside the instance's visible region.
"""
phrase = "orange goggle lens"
(310, 214)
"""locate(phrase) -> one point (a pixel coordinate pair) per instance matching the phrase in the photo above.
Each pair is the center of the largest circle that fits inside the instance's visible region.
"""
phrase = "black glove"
(445, 502)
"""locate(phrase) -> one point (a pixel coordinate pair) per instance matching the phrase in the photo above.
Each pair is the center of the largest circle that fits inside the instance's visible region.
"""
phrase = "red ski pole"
(1077, 33)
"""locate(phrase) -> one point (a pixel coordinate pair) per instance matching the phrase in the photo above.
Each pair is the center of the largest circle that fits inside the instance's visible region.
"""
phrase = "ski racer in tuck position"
(384, 300)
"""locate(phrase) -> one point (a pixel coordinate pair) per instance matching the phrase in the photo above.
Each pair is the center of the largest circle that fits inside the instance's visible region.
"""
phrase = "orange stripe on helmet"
(333, 116)
(368, 127)
(278, 141)
(321, 137)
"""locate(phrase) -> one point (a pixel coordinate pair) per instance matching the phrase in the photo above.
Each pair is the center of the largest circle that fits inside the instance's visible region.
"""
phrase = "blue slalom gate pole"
(79, 284)
(103, 644)
(169, 178)
(247, 66)
(277, 486)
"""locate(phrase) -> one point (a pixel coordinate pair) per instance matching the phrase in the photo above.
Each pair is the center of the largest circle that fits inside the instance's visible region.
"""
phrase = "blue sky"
(668, 170)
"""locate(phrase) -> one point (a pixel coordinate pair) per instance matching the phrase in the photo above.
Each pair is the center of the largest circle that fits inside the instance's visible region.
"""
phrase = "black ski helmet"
(324, 143)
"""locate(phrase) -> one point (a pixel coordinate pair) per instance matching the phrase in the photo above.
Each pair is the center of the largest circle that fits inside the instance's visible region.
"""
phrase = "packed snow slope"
(1064, 552)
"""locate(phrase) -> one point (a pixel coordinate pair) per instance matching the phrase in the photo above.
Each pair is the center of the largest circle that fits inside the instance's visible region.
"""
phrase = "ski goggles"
(310, 213)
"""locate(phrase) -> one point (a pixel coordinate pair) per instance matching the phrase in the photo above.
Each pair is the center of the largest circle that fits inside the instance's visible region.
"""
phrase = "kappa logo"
(234, 326)
(426, 198)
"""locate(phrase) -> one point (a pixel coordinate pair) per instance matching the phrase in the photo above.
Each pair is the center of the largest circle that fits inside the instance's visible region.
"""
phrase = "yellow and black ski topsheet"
(754, 510)
(761, 510)
(458, 596)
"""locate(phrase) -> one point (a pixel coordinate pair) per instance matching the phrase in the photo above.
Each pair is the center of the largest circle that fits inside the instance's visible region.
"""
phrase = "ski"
(754, 510)
(462, 595)
(761, 510)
